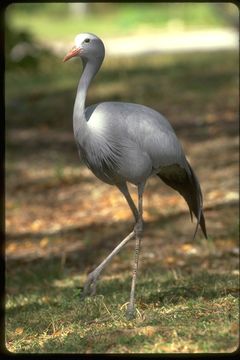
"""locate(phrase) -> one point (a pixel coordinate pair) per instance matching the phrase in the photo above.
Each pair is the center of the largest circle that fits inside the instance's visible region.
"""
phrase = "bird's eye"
(87, 40)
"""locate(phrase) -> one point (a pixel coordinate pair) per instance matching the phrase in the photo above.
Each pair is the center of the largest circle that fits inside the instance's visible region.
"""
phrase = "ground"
(61, 221)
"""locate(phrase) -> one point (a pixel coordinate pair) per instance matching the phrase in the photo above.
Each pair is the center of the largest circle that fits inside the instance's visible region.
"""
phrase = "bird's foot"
(90, 285)
(131, 312)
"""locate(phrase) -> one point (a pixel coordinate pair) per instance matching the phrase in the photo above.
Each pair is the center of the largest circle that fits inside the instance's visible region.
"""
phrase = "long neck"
(90, 69)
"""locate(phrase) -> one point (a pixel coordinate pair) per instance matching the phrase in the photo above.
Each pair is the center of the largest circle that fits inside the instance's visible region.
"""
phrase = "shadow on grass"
(152, 290)
(200, 285)
(41, 270)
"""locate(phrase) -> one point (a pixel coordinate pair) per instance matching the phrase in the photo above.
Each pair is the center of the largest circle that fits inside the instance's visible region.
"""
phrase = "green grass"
(45, 314)
(52, 22)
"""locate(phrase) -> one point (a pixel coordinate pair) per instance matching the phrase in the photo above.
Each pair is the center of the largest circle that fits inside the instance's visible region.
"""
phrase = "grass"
(190, 313)
(52, 21)
(117, 78)
(61, 221)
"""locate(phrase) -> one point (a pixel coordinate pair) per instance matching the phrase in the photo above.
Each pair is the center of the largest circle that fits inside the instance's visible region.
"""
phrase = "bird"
(124, 143)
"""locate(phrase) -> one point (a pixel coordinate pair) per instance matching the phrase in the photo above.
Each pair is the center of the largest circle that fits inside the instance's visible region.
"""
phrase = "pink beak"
(73, 52)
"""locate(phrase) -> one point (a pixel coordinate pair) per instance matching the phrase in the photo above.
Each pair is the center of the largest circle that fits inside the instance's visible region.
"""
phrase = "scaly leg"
(124, 190)
(138, 229)
(91, 282)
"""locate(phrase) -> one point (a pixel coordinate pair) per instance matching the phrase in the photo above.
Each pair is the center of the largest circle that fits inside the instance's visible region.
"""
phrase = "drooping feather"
(188, 186)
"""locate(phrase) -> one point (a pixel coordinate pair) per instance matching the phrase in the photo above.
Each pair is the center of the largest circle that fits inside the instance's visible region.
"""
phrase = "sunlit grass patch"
(175, 313)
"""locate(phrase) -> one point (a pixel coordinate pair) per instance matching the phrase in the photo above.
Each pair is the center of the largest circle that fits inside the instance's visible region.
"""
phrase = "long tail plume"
(191, 192)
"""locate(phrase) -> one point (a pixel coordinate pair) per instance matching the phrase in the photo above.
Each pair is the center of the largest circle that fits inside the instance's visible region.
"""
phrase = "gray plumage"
(124, 142)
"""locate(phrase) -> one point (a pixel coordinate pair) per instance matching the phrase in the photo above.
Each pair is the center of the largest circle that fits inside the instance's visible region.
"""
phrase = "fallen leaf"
(232, 195)
(57, 333)
(170, 260)
(235, 328)
(11, 248)
(36, 224)
(44, 242)
(19, 330)
(188, 249)
(148, 330)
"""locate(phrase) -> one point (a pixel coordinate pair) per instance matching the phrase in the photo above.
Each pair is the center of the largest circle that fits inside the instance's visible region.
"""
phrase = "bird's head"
(86, 46)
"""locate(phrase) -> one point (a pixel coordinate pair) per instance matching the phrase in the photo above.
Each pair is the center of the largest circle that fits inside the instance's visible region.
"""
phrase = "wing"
(148, 129)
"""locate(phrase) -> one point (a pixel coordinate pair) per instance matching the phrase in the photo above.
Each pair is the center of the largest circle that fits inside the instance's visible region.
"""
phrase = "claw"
(90, 285)
(130, 313)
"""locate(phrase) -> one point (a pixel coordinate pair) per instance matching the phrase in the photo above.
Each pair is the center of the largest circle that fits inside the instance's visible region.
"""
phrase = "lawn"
(49, 22)
(61, 221)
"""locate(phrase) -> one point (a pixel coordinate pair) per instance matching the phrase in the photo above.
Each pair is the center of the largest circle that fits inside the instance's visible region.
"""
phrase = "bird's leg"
(90, 284)
(138, 229)
(124, 189)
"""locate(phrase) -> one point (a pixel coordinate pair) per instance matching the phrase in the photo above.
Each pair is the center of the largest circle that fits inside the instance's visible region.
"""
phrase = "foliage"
(55, 22)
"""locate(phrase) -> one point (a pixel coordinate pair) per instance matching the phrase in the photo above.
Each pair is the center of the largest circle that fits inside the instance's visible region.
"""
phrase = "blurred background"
(180, 59)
